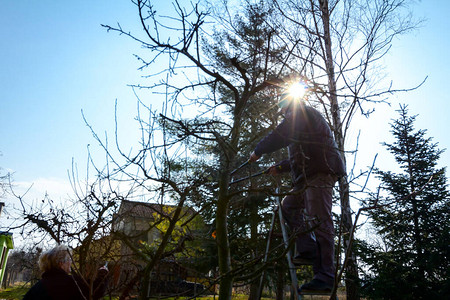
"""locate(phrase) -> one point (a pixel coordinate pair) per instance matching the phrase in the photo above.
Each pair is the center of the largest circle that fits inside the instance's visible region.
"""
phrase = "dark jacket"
(56, 284)
(311, 146)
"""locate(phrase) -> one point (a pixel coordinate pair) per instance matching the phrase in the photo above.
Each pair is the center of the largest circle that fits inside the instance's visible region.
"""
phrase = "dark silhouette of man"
(315, 165)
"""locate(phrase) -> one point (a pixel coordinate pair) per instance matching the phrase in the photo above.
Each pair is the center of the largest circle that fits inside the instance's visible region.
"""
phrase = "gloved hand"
(274, 170)
(253, 157)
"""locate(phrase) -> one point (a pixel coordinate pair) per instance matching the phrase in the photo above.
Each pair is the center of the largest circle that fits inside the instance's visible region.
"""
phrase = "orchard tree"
(4, 183)
(85, 220)
(23, 261)
(222, 59)
(339, 46)
(411, 260)
(221, 67)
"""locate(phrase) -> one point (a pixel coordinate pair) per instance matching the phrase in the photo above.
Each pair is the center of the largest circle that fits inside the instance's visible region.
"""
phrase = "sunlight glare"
(297, 90)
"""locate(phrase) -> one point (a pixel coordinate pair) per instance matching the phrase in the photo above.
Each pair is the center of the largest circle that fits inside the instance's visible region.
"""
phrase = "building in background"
(144, 223)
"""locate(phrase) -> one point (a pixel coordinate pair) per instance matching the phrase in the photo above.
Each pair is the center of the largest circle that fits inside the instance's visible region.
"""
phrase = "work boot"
(315, 286)
(304, 259)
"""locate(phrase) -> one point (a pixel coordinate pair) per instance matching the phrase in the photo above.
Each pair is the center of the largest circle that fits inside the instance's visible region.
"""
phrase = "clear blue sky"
(56, 60)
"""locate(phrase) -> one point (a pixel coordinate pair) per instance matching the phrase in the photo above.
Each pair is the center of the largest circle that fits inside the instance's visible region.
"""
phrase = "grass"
(234, 297)
(17, 293)
(13, 293)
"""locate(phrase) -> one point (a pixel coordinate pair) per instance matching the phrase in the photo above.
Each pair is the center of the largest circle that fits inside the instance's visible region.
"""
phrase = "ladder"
(292, 267)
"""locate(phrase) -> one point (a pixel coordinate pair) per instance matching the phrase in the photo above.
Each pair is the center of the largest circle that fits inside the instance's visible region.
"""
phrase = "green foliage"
(412, 220)
(248, 57)
(12, 293)
(185, 227)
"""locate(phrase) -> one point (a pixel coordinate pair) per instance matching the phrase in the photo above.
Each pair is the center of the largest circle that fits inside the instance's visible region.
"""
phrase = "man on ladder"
(315, 165)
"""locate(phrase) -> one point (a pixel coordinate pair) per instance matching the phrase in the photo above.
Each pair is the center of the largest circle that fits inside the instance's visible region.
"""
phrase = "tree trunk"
(351, 280)
(417, 229)
(254, 285)
(223, 245)
(351, 271)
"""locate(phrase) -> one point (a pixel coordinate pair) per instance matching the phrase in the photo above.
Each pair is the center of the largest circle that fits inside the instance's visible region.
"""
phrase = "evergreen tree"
(250, 47)
(412, 221)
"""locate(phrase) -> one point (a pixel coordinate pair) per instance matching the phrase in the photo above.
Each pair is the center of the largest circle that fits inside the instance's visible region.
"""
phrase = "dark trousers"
(313, 201)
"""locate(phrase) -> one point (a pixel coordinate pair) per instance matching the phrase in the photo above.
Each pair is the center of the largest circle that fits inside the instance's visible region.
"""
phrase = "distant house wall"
(134, 219)
(6, 243)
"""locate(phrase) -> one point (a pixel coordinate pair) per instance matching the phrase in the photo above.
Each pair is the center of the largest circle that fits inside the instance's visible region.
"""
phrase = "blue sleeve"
(279, 138)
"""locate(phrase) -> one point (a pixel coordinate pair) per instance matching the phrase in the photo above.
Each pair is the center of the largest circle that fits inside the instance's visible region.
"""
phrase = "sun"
(297, 90)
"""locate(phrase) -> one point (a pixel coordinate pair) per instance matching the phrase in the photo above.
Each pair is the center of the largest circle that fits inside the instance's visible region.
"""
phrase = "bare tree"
(82, 222)
(340, 49)
(5, 182)
(223, 70)
(22, 266)
(220, 73)
(164, 172)
(152, 174)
